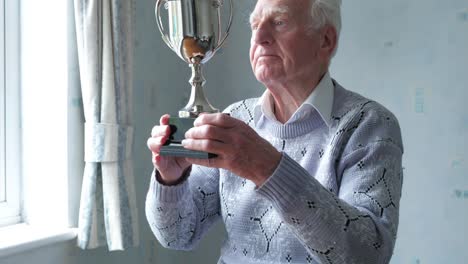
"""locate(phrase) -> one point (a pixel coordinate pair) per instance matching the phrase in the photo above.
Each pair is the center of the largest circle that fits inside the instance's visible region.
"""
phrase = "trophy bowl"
(194, 34)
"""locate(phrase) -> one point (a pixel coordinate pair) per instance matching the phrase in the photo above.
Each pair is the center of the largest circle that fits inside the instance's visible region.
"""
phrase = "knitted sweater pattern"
(334, 197)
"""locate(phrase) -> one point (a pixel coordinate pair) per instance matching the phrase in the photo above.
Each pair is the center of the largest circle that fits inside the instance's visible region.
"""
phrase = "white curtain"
(108, 212)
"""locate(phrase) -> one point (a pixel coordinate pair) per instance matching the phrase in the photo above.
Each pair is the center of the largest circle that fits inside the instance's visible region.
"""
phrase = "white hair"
(325, 12)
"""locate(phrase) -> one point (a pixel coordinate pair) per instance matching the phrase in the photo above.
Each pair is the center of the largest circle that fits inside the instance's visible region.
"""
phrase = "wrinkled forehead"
(268, 11)
(271, 8)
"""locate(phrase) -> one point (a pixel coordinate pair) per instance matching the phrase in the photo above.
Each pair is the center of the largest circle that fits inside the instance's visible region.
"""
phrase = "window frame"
(10, 206)
(2, 104)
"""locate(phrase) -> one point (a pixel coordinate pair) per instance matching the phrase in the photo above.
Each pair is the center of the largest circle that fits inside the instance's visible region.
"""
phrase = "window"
(40, 178)
(42, 146)
(9, 113)
(37, 128)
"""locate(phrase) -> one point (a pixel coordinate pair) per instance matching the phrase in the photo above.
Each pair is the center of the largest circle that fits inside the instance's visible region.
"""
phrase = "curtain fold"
(108, 212)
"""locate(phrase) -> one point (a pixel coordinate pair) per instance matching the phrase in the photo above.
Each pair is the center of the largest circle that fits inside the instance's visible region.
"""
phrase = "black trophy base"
(173, 146)
(176, 150)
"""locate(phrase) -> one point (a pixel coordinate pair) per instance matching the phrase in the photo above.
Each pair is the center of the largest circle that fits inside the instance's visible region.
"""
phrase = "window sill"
(19, 238)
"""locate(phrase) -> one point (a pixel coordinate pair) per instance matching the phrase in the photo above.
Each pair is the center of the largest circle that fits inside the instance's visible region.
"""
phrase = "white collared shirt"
(320, 100)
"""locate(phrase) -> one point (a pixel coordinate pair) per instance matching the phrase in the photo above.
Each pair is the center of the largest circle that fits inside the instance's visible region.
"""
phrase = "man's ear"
(328, 41)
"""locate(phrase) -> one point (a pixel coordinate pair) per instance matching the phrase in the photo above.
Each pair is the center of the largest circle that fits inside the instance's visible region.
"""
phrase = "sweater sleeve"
(180, 215)
(359, 224)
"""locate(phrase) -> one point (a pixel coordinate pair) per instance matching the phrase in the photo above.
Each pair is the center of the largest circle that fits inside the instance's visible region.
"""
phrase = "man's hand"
(170, 168)
(239, 148)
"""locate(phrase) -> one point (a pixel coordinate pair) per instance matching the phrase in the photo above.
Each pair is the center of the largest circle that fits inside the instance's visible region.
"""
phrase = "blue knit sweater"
(334, 198)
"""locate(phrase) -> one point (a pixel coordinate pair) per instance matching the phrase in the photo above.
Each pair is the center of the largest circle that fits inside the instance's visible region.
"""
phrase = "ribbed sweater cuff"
(284, 185)
(168, 194)
(284, 188)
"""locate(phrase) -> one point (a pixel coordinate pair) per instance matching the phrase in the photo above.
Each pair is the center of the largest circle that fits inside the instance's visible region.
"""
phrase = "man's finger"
(159, 131)
(211, 146)
(164, 120)
(218, 119)
(154, 143)
(206, 132)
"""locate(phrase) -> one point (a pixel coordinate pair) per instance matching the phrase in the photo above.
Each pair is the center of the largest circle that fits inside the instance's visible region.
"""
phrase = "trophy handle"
(164, 35)
(231, 11)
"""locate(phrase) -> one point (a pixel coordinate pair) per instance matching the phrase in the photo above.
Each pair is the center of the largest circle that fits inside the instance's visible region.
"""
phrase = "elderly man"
(307, 173)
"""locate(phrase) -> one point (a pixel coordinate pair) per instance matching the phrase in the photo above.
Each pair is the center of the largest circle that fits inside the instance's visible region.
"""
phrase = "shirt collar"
(321, 100)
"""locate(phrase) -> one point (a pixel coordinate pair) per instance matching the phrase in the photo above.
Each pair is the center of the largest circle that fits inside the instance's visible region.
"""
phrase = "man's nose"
(262, 35)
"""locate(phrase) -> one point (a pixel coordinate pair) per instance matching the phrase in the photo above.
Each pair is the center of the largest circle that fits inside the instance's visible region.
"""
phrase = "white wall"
(412, 56)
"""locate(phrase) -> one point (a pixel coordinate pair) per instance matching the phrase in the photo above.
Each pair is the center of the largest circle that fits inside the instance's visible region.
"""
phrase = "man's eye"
(278, 23)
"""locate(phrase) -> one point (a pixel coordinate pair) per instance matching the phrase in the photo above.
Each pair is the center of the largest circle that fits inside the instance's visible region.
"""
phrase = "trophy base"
(176, 150)
(173, 146)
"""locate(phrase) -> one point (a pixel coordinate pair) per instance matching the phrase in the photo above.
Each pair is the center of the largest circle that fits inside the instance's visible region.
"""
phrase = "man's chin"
(268, 73)
(268, 79)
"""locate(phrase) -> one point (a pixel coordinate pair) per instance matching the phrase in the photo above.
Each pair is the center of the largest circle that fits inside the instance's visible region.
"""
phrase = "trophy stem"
(197, 103)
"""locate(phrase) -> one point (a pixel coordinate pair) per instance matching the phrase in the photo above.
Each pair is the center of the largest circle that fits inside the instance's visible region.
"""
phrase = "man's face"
(282, 47)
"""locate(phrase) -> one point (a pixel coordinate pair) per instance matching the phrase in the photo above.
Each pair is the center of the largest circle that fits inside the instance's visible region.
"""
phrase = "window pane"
(9, 113)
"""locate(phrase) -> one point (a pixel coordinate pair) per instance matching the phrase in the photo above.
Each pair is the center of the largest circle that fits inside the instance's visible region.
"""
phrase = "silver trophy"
(195, 34)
